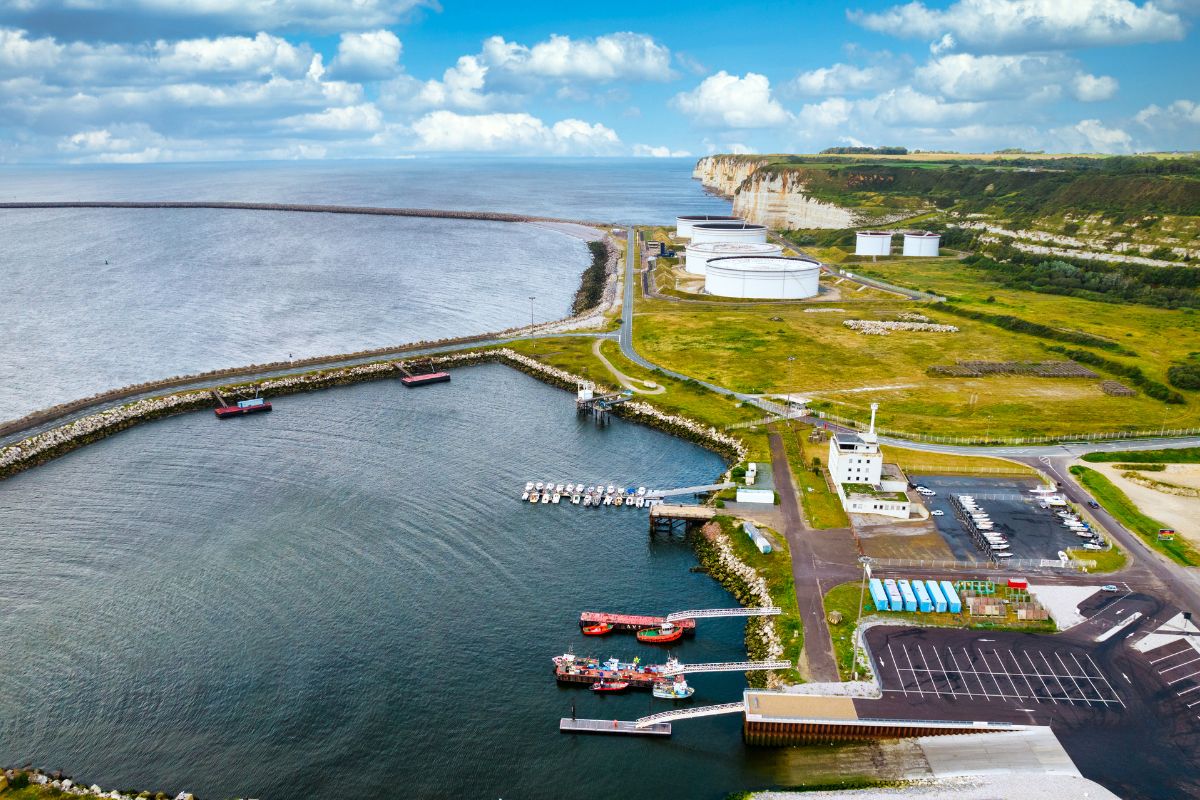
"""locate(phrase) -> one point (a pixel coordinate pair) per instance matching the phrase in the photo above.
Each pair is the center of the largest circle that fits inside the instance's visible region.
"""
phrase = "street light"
(531, 299)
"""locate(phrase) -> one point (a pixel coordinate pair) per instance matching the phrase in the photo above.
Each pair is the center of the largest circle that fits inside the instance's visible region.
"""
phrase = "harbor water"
(346, 598)
(95, 299)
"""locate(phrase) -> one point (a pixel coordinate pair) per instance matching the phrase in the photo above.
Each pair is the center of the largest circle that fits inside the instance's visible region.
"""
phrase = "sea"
(344, 598)
(96, 299)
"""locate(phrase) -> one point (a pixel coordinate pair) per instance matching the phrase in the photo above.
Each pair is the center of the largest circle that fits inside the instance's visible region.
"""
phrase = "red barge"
(427, 378)
(252, 406)
(634, 622)
(569, 668)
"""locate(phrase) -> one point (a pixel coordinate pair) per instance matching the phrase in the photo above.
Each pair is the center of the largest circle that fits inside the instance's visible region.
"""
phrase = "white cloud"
(840, 79)
(1181, 113)
(999, 25)
(363, 118)
(727, 101)
(1092, 136)
(262, 55)
(739, 149)
(828, 113)
(963, 76)
(662, 151)
(21, 55)
(511, 133)
(1090, 88)
(373, 55)
(615, 56)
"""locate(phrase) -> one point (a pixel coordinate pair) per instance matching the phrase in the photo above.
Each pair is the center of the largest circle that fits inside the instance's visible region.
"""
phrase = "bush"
(1184, 376)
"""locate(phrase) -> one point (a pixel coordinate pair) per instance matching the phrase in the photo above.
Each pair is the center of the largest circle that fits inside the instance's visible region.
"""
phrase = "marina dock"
(634, 622)
(568, 725)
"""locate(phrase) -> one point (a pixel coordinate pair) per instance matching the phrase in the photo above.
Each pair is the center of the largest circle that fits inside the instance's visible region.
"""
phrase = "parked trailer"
(879, 595)
(910, 599)
(895, 602)
(924, 604)
(936, 595)
(953, 604)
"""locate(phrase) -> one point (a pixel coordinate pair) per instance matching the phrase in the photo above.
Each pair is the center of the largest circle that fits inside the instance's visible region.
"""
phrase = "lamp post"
(862, 592)
(531, 299)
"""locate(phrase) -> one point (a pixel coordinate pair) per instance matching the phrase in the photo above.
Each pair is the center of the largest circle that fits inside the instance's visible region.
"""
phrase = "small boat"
(599, 629)
(545, 497)
(608, 501)
(610, 686)
(673, 690)
(641, 501)
(574, 499)
(540, 486)
(559, 489)
(525, 495)
(570, 488)
(251, 406)
(1002, 554)
(663, 634)
(618, 500)
(1091, 546)
(587, 499)
(591, 490)
(533, 497)
(612, 489)
(641, 490)
(529, 486)
(556, 498)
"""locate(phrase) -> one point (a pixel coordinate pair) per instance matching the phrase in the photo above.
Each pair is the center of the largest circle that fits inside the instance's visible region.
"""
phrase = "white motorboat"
(641, 490)
(587, 499)
(575, 499)
(1090, 546)
(525, 495)
(540, 486)
(570, 488)
(641, 501)
(529, 486)
(1043, 490)
(611, 489)
(1003, 554)
(608, 500)
(556, 498)
(545, 497)
(559, 488)
(534, 497)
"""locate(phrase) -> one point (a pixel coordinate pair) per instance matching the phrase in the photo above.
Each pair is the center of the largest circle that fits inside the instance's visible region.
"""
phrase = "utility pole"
(866, 565)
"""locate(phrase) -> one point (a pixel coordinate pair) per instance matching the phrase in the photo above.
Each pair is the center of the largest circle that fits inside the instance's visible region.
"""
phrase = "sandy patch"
(1180, 513)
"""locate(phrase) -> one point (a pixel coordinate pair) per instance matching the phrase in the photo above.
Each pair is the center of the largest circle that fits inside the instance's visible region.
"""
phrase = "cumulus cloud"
(126, 20)
(841, 79)
(612, 57)
(727, 101)
(1028, 25)
(963, 76)
(1092, 136)
(363, 118)
(447, 131)
(373, 55)
(1181, 113)
(661, 151)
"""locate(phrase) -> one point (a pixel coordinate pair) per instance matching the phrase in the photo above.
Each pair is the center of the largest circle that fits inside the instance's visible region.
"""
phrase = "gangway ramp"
(689, 713)
(686, 490)
(676, 668)
(709, 613)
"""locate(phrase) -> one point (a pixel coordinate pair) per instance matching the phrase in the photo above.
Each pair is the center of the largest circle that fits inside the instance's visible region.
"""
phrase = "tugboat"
(599, 629)
(663, 634)
(251, 406)
(610, 686)
(673, 690)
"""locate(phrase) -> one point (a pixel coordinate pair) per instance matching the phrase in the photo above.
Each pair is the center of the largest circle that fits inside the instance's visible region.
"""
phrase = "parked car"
(1093, 504)
(1110, 587)
(937, 512)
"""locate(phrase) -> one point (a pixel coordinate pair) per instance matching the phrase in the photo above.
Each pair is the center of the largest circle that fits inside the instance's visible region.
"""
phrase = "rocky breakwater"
(36, 783)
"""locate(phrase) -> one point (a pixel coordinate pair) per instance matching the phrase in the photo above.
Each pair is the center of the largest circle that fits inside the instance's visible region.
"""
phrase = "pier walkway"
(722, 666)
(710, 613)
(686, 490)
(689, 713)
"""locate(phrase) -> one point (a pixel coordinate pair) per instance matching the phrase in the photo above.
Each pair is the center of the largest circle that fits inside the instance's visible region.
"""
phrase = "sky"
(135, 81)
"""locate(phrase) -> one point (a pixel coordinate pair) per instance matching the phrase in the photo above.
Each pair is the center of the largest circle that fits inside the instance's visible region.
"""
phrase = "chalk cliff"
(775, 198)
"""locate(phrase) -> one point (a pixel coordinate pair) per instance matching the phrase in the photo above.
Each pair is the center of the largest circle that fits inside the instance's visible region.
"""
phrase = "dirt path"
(633, 384)
(1180, 513)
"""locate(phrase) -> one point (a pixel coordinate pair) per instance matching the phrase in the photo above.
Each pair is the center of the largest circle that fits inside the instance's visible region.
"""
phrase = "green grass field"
(1120, 506)
(822, 506)
(1184, 455)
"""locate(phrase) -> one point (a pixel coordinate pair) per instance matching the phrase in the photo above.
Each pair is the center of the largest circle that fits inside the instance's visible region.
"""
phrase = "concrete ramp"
(1034, 750)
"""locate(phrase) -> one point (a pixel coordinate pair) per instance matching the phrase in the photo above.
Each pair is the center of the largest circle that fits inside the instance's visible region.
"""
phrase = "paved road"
(818, 647)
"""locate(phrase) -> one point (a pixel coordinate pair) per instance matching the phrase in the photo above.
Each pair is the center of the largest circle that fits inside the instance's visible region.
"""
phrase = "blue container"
(953, 604)
(936, 595)
(924, 604)
(910, 599)
(895, 602)
(879, 596)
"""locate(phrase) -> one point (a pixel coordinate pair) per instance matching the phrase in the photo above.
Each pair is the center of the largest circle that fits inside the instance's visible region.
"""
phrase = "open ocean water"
(97, 299)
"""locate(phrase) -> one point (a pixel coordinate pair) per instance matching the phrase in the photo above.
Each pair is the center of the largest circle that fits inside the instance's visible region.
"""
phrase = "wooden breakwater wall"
(304, 208)
(48, 445)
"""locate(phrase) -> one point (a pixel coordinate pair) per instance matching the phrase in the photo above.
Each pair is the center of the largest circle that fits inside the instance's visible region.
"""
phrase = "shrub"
(1184, 376)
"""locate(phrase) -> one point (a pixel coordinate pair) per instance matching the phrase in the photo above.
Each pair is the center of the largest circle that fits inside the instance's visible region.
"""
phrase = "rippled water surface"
(97, 299)
(345, 598)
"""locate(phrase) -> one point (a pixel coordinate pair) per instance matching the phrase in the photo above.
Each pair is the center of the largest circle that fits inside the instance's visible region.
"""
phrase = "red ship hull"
(224, 412)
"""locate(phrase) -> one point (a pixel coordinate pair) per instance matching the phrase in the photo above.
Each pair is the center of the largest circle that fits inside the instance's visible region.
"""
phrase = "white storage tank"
(699, 254)
(873, 243)
(922, 243)
(763, 277)
(728, 232)
(683, 225)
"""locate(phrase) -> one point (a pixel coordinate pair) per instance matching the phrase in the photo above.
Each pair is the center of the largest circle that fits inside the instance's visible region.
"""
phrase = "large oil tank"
(749, 232)
(762, 277)
(683, 225)
(922, 243)
(699, 254)
(873, 243)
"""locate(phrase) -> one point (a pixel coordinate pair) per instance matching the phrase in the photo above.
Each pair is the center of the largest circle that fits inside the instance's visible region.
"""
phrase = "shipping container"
(953, 604)
(879, 596)
(910, 599)
(1018, 583)
(924, 604)
(895, 602)
(936, 595)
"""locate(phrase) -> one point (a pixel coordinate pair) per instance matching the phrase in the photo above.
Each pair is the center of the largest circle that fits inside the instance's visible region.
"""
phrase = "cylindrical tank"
(699, 254)
(922, 243)
(728, 232)
(762, 277)
(873, 243)
(683, 225)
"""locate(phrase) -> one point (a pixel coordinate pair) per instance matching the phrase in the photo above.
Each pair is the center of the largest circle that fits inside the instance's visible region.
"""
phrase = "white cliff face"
(778, 200)
(724, 174)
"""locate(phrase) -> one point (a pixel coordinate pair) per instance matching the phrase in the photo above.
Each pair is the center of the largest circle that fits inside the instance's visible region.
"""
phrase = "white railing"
(709, 613)
(689, 713)
(724, 666)
(712, 487)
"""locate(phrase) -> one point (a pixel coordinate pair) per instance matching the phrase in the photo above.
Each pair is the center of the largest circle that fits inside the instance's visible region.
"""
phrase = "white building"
(853, 459)
(864, 486)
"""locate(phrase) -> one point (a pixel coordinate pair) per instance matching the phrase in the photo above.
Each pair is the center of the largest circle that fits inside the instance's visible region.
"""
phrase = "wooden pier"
(633, 622)
(669, 519)
(618, 726)
(600, 405)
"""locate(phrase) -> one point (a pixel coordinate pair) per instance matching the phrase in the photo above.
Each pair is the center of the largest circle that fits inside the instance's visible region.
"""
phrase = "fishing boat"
(598, 629)
(533, 497)
(252, 406)
(663, 634)
(677, 689)
(610, 686)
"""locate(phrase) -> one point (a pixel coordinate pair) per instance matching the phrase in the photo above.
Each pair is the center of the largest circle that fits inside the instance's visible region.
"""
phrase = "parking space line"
(1038, 675)
(992, 675)
(971, 663)
(949, 682)
(1075, 680)
(913, 670)
(1186, 691)
(1011, 682)
(932, 679)
(1177, 666)
(1024, 677)
(1184, 678)
(1101, 676)
(1095, 688)
(1050, 669)
(1185, 648)
(963, 675)
(896, 666)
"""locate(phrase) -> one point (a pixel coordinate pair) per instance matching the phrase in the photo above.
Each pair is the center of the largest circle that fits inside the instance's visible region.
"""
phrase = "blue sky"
(186, 80)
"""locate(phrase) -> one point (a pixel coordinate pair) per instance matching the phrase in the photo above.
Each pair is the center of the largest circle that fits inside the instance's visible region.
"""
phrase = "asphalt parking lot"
(1178, 665)
(1032, 532)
